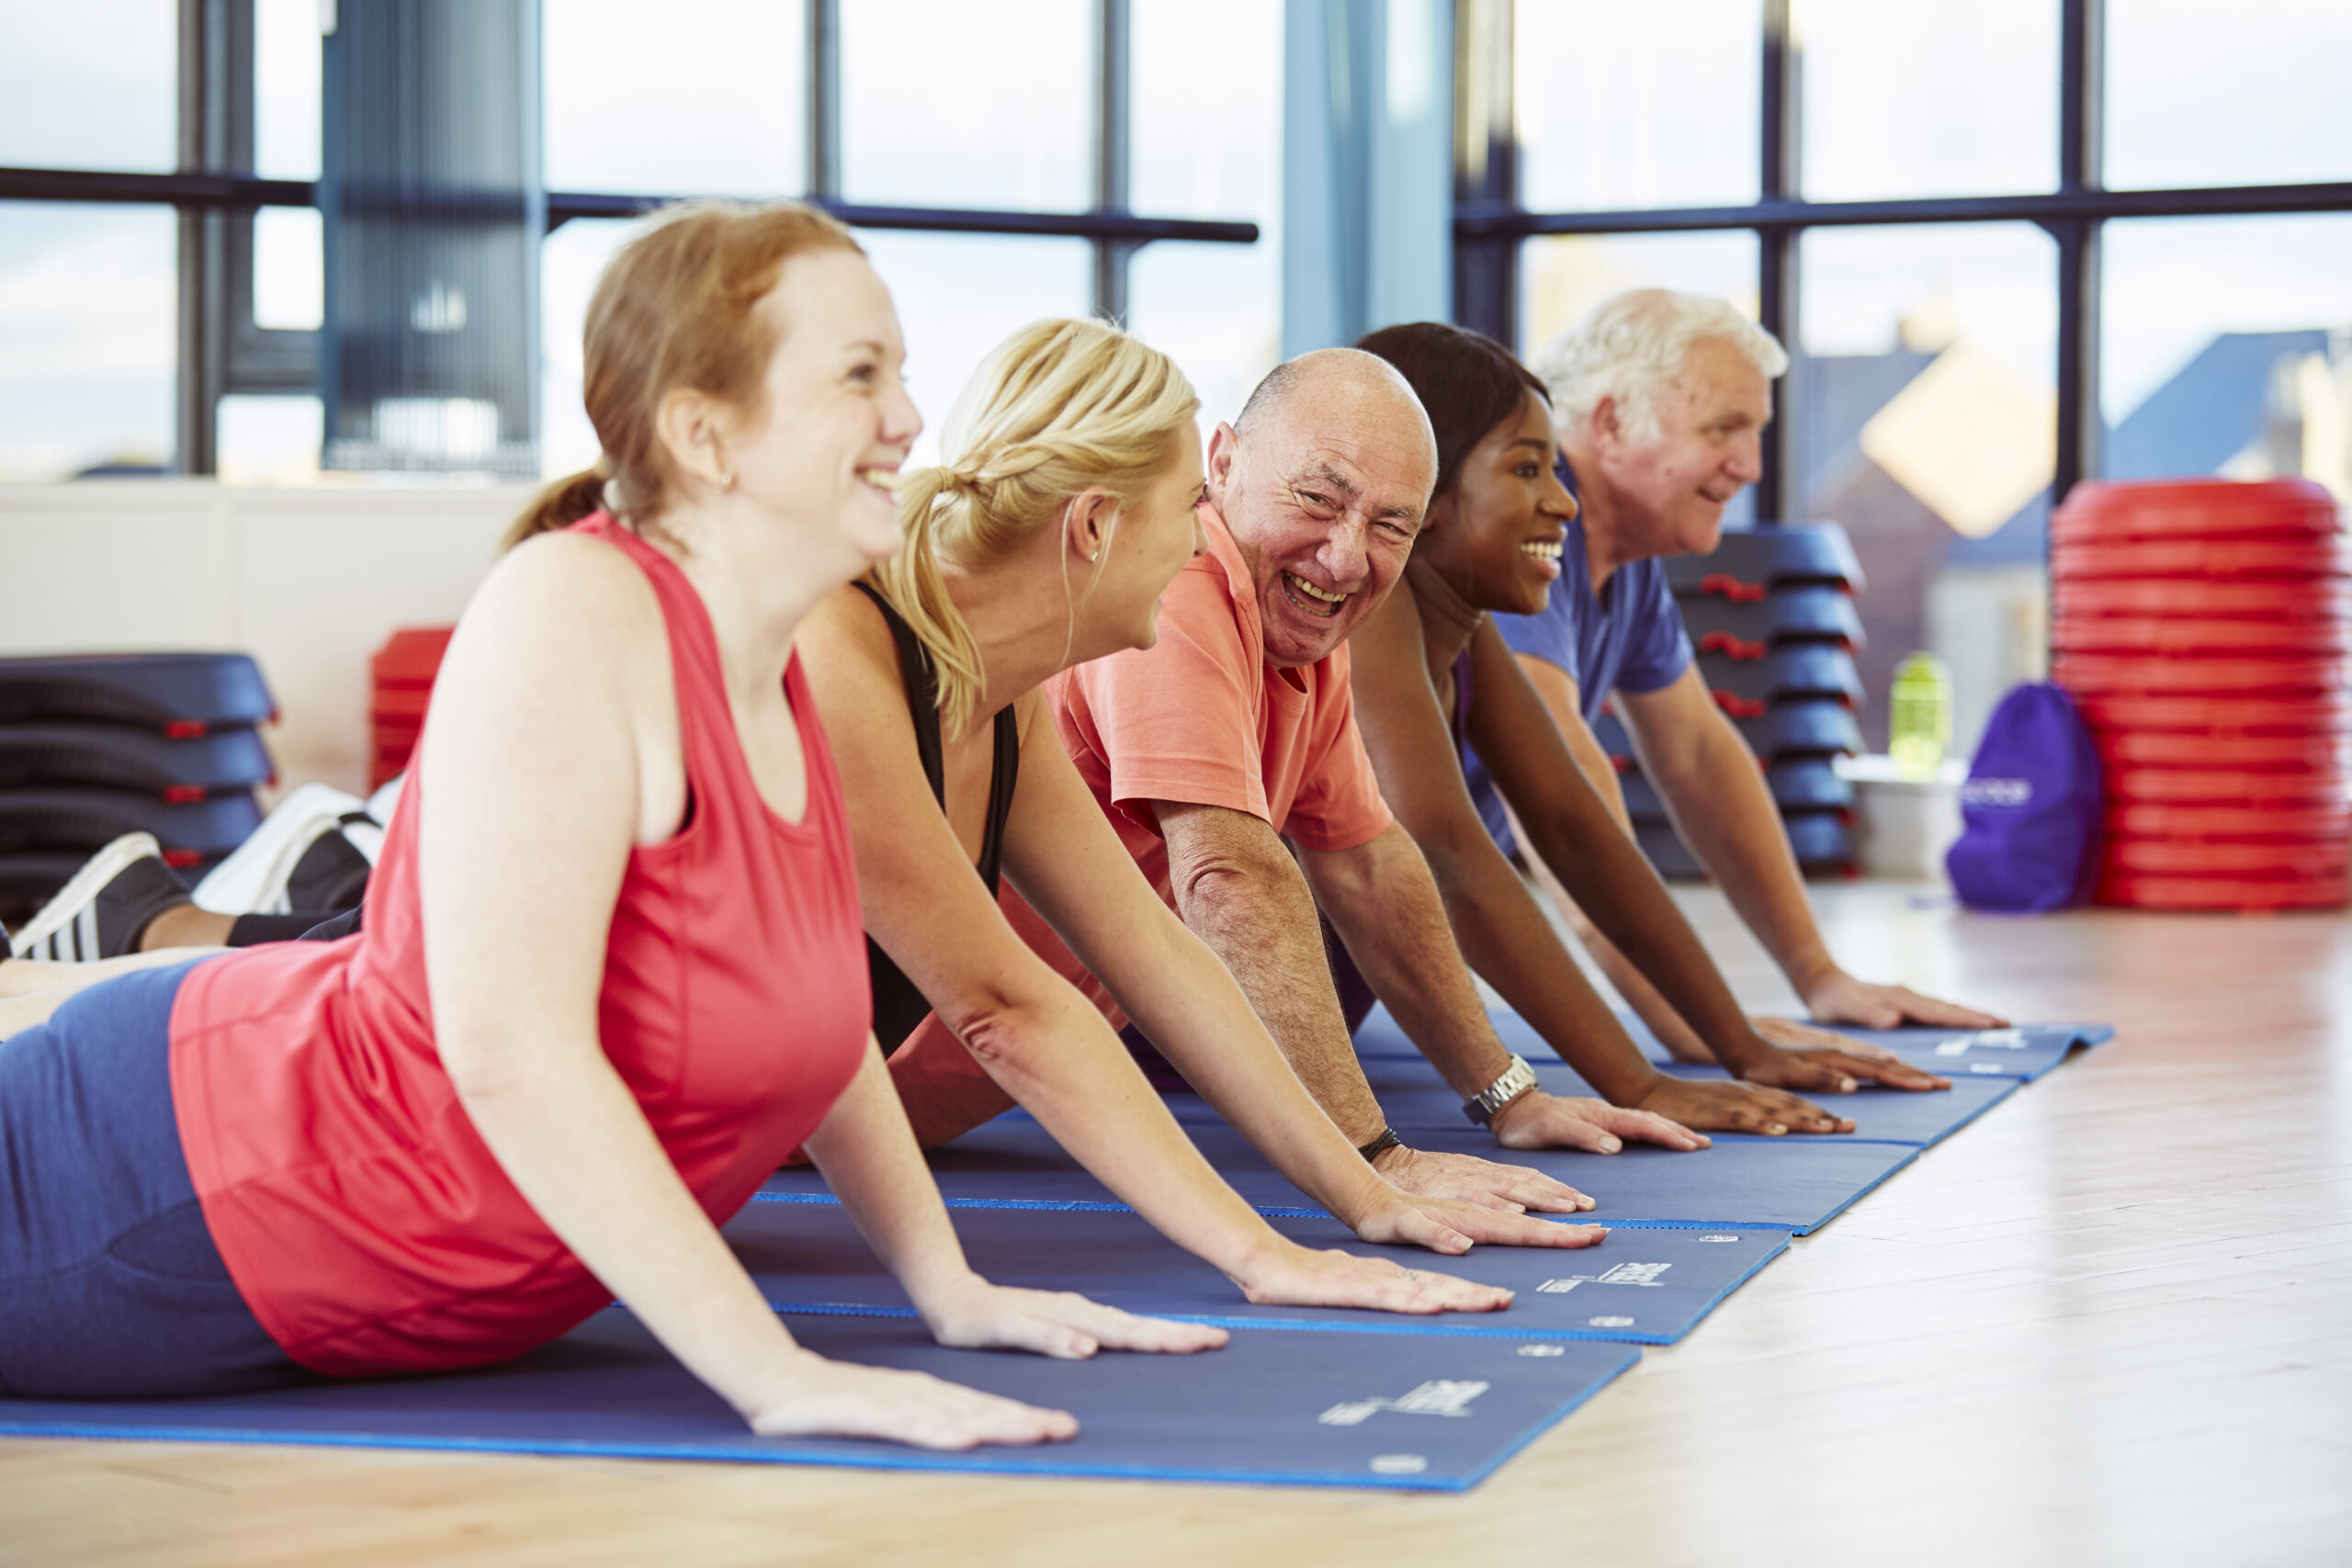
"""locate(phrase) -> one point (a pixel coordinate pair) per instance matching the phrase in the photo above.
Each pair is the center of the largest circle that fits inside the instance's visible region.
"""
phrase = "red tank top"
(363, 1218)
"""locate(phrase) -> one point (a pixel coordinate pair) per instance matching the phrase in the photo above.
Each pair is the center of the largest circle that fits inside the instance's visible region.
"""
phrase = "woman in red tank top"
(611, 970)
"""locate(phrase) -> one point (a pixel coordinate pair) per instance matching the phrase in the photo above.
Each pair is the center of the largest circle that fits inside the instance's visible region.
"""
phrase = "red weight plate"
(2200, 787)
(2235, 824)
(2220, 715)
(2255, 753)
(2202, 857)
(2231, 561)
(2181, 634)
(2322, 599)
(2137, 891)
(2133, 674)
(2195, 509)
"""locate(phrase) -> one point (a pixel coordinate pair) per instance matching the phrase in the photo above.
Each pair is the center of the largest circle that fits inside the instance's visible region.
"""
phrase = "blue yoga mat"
(2025, 1051)
(1301, 1407)
(1414, 1096)
(1751, 1183)
(1648, 1287)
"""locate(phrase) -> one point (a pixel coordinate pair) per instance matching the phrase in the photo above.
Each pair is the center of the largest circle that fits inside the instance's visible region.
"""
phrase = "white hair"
(1631, 346)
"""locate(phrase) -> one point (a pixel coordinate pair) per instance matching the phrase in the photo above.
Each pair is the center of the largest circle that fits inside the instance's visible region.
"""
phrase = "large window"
(166, 277)
(2010, 245)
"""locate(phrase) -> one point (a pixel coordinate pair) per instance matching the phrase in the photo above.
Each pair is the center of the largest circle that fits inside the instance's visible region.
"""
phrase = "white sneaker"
(101, 912)
(253, 880)
(384, 802)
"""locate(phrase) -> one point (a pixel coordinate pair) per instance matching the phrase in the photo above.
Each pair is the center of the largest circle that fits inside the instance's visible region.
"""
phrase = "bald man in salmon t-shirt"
(1228, 759)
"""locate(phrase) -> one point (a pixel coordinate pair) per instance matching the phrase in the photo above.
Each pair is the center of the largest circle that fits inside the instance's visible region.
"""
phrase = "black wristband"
(1380, 1145)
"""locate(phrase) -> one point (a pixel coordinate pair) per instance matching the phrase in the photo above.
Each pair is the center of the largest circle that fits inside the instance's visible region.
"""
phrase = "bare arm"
(1238, 890)
(1033, 1033)
(1723, 809)
(1073, 869)
(553, 749)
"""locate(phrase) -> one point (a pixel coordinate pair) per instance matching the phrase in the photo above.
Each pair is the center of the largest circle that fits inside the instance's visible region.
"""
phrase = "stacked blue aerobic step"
(1300, 1395)
(1771, 613)
(94, 745)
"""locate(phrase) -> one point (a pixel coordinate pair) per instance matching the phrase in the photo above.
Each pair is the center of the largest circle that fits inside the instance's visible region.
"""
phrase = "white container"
(1902, 826)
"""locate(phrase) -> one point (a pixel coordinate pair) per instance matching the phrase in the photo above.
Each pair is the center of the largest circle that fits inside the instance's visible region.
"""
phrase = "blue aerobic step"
(189, 693)
(114, 756)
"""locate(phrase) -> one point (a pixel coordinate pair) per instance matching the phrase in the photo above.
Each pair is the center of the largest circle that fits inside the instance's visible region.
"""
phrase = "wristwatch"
(1517, 1079)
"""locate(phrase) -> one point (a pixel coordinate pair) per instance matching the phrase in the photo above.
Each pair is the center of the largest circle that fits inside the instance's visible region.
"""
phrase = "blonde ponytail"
(1059, 407)
(559, 506)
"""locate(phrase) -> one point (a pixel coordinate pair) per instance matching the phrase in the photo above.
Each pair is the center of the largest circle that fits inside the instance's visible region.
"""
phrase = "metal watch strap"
(1517, 1079)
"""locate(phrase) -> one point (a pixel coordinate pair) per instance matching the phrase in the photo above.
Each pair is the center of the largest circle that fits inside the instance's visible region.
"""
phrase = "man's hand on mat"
(1723, 1106)
(1798, 1036)
(1833, 1071)
(1540, 1121)
(1837, 998)
(1478, 1183)
(842, 1400)
(1299, 1276)
(976, 1315)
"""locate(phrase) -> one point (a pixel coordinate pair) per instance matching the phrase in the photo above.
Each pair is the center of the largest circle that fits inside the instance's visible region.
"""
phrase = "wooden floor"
(2110, 1322)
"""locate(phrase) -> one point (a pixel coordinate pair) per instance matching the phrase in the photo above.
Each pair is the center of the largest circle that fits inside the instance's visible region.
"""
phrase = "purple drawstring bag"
(2030, 811)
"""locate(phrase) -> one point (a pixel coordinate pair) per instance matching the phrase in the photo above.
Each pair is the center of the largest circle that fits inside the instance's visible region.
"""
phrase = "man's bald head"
(1323, 481)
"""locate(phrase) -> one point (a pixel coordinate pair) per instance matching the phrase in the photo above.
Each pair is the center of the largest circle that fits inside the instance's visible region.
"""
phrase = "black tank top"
(898, 1005)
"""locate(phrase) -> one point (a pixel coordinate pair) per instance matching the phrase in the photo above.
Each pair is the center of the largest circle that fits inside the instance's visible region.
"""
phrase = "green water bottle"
(1920, 730)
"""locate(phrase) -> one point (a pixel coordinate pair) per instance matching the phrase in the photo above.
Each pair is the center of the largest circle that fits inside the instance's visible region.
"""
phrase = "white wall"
(310, 580)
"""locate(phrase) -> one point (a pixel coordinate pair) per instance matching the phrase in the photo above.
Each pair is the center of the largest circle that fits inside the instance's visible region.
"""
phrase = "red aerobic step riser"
(2172, 636)
(2195, 509)
(2230, 824)
(2213, 561)
(2133, 890)
(2124, 675)
(2200, 857)
(2326, 599)
(2253, 753)
(2202, 786)
(2216, 716)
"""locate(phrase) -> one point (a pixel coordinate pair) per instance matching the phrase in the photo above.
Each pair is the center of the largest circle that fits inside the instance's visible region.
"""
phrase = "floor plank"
(2110, 1323)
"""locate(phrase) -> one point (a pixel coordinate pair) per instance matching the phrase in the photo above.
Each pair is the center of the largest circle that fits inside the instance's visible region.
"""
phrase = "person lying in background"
(612, 971)
(1062, 508)
(1658, 404)
(306, 864)
(1434, 683)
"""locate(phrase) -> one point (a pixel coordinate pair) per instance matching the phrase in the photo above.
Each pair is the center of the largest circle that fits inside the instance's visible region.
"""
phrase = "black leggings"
(251, 931)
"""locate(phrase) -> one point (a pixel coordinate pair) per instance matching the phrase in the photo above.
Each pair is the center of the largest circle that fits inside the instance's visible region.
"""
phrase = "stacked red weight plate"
(2203, 628)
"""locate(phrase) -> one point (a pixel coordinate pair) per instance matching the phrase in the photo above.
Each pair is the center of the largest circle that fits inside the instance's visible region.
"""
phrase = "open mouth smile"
(1315, 601)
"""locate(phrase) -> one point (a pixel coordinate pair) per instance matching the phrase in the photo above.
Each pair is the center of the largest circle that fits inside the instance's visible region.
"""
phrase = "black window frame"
(1489, 222)
(216, 194)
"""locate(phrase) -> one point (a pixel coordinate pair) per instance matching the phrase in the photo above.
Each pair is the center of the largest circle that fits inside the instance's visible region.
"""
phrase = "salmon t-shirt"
(1201, 718)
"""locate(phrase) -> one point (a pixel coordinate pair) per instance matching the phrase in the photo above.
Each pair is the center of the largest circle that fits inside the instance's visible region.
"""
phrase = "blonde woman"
(1062, 512)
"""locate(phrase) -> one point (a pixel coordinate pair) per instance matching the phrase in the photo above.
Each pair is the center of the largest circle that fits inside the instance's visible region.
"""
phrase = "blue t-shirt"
(1633, 642)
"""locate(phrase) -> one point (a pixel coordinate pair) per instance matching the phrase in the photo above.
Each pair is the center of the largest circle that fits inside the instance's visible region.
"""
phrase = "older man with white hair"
(1659, 401)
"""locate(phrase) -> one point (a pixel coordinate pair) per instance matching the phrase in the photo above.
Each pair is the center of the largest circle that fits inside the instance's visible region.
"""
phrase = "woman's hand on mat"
(1540, 1121)
(1478, 1183)
(1832, 1071)
(1723, 1106)
(973, 1314)
(840, 1399)
(1837, 996)
(1299, 1276)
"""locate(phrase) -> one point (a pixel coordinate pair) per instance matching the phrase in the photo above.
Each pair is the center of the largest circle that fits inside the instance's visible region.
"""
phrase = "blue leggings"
(111, 1287)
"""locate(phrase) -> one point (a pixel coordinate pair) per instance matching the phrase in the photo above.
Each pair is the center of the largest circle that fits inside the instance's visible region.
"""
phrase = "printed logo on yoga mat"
(1621, 1274)
(1439, 1396)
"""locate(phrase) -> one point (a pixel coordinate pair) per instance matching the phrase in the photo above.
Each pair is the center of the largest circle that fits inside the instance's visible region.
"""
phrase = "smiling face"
(1149, 544)
(1671, 492)
(1324, 496)
(834, 421)
(1496, 533)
